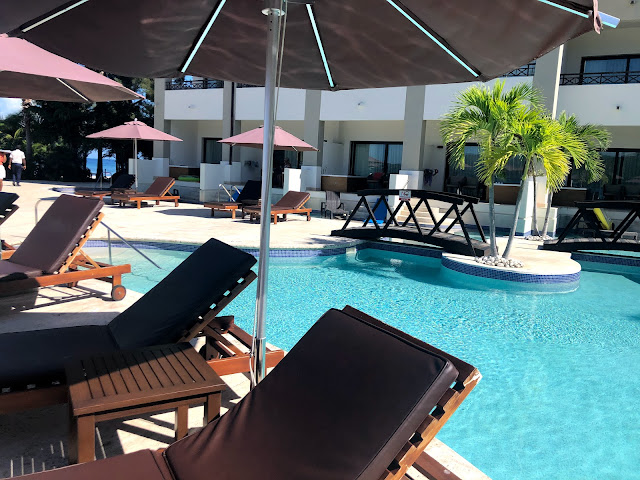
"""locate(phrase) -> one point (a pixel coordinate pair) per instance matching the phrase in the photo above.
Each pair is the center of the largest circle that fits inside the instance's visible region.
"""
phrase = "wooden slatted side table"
(130, 383)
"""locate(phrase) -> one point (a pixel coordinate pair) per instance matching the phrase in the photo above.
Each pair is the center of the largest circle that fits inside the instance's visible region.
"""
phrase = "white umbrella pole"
(273, 19)
(135, 160)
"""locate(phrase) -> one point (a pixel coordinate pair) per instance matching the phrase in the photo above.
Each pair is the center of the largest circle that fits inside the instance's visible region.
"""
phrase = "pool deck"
(36, 440)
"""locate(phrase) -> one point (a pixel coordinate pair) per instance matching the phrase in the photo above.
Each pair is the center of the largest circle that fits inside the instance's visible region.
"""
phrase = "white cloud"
(9, 105)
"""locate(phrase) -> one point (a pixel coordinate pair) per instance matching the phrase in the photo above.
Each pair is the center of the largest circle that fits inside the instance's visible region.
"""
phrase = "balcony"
(527, 70)
(203, 84)
(603, 78)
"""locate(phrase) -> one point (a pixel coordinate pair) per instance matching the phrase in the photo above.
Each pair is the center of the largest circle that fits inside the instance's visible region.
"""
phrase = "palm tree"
(543, 145)
(486, 115)
(596, 139)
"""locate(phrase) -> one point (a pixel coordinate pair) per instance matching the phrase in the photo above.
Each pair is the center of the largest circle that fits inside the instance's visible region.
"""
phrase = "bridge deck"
(593, 243)
(448, 241)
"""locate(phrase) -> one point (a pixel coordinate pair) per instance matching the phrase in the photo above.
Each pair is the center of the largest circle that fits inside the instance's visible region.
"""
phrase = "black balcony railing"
(524, 71)
(605, 78)
(180, 84)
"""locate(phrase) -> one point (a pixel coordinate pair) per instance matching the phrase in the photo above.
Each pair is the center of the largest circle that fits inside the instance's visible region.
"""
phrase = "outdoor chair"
(351, 414)
(613, 192)
(179, 308)
(455, 184)
(157, 192)
(52, 252)
(291, 202)
(333, 206)
(472, 187)
(632, 191)
(7, 205)
(250, 195)
(122, 183)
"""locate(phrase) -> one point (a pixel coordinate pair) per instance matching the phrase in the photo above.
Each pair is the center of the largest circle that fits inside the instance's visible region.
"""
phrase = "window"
(610, 69)
(621, 167)
(512, 172)
(211, 150)
(372, 157)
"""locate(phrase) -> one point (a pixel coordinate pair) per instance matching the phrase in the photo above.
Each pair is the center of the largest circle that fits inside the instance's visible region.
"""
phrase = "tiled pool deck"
(36, 440)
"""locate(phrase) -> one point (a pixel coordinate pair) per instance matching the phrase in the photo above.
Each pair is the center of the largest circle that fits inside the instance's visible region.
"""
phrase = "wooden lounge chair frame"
(413, 453)
(4, 216)
(227, 348)
(254, 212)
(140, 197)
(78, 266)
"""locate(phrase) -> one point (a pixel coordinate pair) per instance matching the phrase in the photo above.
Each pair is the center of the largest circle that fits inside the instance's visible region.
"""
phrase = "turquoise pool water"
(560, 395)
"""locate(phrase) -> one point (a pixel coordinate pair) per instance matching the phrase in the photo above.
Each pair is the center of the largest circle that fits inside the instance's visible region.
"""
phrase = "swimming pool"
(559, 397)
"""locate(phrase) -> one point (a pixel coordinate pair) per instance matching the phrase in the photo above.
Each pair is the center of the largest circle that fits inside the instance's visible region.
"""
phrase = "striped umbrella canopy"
(28, 71)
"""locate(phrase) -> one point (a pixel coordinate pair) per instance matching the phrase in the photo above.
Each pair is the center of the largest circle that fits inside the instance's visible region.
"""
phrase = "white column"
(547, 78)
(160, 149)
(227, 119)
(313, 135)
(413, 144)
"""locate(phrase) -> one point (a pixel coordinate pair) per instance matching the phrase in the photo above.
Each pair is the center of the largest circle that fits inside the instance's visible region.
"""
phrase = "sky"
(9, 105)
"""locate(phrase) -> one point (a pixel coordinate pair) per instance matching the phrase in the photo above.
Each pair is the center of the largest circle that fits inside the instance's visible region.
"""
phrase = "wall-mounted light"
(360, 105)
(191, 106)
(617, 107)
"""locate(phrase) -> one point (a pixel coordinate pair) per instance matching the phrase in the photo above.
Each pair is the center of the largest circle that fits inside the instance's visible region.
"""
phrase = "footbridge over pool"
(381, 221)
(602, 234)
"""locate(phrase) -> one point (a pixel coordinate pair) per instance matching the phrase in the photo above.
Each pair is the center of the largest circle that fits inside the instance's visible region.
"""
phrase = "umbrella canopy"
(282, 140)
(28, 71)
(135, 130)
(330, 44)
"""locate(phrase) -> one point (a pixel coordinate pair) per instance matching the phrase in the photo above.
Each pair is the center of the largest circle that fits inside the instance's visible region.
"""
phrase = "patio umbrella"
(135, 131)
(28, 71)
(282, 140)
(331, 44)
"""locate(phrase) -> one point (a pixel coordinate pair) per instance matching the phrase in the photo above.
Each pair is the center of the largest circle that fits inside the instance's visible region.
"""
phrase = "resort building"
(390, 136)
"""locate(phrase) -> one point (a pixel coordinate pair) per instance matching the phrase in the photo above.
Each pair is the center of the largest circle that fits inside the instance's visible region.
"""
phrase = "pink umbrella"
(135, 131)
(28, 71)
(282, 140)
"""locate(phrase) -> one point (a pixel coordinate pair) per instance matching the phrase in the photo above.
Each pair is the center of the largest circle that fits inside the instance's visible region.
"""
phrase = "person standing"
(18, 164)
(3, 171)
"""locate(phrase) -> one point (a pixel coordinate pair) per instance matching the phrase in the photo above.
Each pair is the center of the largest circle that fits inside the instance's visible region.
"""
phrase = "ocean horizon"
(108, 165)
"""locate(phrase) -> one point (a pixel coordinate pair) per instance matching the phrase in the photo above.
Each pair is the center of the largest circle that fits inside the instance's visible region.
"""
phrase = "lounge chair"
(157, 192)
(52, 252)
(333, 206)
(250, 195)
(334, 408)
(177, 309)
(7, 205)
(291, 202)
(122, 183)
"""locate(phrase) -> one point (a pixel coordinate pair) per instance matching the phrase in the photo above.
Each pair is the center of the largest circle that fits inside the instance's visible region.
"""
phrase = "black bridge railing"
(591, 215)
(410, 228)
(604, 78)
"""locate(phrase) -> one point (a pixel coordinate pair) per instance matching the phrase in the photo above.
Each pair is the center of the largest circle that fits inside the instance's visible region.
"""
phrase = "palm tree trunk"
(534, 229)
(545, 227)
(26, 117)
(512, 233)
(492, 221)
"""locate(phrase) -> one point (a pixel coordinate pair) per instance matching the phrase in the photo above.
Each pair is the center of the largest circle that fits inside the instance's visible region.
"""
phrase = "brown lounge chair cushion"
(142, 465)
(55, 235)
(290, 201)
(161, 316)
(158, 188)
(340, 406)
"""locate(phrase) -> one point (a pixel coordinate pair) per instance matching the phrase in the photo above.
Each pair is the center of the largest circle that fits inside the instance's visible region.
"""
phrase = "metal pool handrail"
(109, 232)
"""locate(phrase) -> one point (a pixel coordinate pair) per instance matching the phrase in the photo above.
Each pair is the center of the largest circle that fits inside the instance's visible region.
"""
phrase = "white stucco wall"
(370, 104)
(185, 152)
(193, 104)
(598, 103)
(250, 104)
(619, 41)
